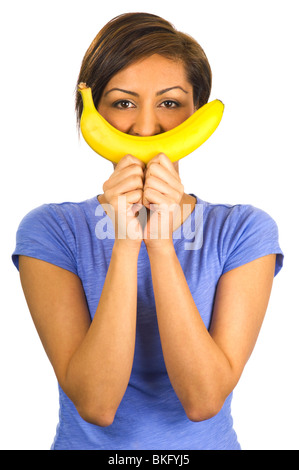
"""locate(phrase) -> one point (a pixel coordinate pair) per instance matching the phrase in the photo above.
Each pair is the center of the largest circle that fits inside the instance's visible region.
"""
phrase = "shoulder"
(63, 214)
(240, 233)
(232, 212)
(50, 232)
(236, 217)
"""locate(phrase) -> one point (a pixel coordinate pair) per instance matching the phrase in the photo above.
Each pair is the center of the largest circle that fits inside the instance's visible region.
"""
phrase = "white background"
(252, 158)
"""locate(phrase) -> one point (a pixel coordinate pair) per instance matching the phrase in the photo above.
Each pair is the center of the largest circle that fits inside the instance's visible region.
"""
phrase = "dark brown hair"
(132, 36)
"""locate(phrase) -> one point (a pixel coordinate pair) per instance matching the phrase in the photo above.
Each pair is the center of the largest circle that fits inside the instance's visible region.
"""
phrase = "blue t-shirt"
(214, 239)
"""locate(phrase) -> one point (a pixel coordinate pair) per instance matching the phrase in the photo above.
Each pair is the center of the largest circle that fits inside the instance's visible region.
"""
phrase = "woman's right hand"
(123, 193)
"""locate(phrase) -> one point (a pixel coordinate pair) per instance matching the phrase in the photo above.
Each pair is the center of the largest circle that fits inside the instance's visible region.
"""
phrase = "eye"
(123, 104)
(170, 104)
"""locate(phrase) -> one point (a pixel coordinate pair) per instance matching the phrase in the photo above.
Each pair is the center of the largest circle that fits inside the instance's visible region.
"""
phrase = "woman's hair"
(133, 36)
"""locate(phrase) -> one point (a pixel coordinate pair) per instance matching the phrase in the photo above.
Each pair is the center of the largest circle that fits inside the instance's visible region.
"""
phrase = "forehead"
(155, 71)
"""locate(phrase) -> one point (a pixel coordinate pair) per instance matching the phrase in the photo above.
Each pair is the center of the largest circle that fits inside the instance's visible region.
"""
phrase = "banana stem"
(82, 86)
(87, 98)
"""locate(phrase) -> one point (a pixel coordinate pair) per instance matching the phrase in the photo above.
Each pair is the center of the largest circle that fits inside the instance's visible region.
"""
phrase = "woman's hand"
(123, 192)
(162, 194)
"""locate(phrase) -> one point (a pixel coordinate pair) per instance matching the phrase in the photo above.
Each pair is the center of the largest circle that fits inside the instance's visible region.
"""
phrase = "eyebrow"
(171, 88)
(161, 92)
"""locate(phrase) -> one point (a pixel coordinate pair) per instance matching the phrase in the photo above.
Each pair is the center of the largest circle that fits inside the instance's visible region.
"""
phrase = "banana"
(176, 143)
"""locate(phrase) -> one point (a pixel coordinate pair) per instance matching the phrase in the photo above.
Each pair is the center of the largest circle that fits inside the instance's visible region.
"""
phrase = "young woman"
(148, 333)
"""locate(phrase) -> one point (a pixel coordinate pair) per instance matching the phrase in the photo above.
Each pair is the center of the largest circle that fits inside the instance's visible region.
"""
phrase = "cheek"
(114, 117)
(173, 120)
(118, 121)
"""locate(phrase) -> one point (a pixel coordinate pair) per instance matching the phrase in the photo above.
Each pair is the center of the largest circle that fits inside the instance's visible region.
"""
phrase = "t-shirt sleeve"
(44, 234)
(250, 234)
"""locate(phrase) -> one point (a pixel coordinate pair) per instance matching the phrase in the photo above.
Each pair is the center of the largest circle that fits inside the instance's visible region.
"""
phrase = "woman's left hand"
(162, 194)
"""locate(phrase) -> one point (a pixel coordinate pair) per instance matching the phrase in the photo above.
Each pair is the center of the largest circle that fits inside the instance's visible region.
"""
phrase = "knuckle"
(139, 171)
(113, 201)
(153, 167)
(138, 181)
(163, 158)
(130, 159)
(147, 192)
(105, 186)
(108, 194)
(179, 197)
(127, 160)
(149, 181)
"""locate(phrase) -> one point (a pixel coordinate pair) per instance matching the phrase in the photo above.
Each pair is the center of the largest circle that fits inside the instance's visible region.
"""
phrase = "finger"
(163, 160)
(131, 198)
(135, 197)
(174, 194)
(164, 174)
(126, 172)
(128, 160)
(131, 183)
(152, 196)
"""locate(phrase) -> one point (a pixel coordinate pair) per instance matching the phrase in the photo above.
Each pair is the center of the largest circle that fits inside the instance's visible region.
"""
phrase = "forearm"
(198, 370)
(99, 371)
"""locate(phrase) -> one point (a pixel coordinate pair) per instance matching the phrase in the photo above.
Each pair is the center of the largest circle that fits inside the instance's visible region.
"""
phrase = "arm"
(92, 360)
(205, 366)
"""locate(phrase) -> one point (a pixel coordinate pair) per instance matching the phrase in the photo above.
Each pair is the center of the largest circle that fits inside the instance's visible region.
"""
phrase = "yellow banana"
(176, 143)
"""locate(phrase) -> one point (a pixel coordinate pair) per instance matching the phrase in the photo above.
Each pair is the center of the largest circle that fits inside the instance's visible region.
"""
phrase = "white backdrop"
(252, 46)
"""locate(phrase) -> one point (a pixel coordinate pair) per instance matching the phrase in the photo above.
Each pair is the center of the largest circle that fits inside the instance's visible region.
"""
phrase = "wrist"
(127, 246)
(160, 248)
